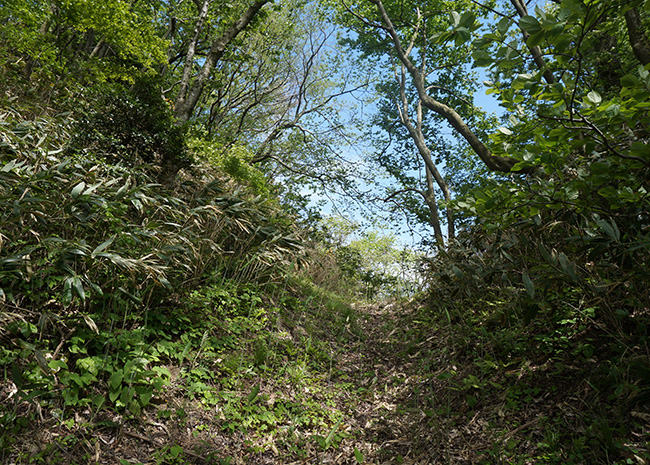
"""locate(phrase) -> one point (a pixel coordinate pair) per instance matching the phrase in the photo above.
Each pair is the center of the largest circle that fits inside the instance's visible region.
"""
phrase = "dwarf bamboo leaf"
(42, 362)
(76, 190)
(91, 324)
(457, 271)
(528, 284)
(610, 229)
(79, 288)
(102, 246)
(330, 436)
(17, 375)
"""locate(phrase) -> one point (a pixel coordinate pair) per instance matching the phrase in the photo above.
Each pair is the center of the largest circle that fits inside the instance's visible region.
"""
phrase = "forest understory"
(325, 232)
(378, 383)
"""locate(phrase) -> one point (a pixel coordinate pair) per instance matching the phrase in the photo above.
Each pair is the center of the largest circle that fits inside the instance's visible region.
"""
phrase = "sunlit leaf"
(76, 190)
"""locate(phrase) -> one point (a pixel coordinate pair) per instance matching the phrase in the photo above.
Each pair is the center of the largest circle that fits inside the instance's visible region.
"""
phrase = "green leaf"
(503, 25)
(613, 110)
(122, 190)
(536, 39)
(546, 255)
(528, 284)
(594, 97)
(610, 229)
(76, 190)
(457, 271)
(115, 380)
(78, 287)
(530, 24)
(468, 19)
(42, 361)
(67, 292)
(101, 247)
(17, 375)
(253, 394)
(482, 58)
(358, 455)
(328, 439)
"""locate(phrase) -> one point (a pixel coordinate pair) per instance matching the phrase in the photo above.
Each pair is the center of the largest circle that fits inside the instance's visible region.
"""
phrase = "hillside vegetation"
(169, 295)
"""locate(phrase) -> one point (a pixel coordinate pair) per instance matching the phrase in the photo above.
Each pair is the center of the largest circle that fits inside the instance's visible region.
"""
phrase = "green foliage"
(234, 161)
(86, 41)
(133, 125)
(368, 264)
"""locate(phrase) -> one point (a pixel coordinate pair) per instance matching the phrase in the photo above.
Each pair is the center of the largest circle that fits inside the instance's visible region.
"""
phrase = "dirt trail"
(382, 402)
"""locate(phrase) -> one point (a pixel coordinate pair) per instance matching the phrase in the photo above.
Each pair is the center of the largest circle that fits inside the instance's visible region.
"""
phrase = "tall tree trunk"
(434, 217)
(638, 39)
(190, 92)
(493, 162)
(432, 172)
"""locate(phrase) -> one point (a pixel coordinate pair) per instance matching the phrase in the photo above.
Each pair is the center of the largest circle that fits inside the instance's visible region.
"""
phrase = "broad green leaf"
(594, 97)
(114, 394)
(115, 380)
(530, 24)
(482, 58)
(358, 455)
(613, 110)
(536, 39)
(503, 25)
(468, 19)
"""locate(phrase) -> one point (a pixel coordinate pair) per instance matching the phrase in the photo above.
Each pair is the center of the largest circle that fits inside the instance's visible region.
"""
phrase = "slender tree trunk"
(190, 93)
(493, 162)
(434, 217)
(432, 172)
(535, 51)
(188, 67)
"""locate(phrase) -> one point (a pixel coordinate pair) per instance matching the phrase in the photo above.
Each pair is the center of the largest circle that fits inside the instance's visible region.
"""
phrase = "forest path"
(382, 401)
